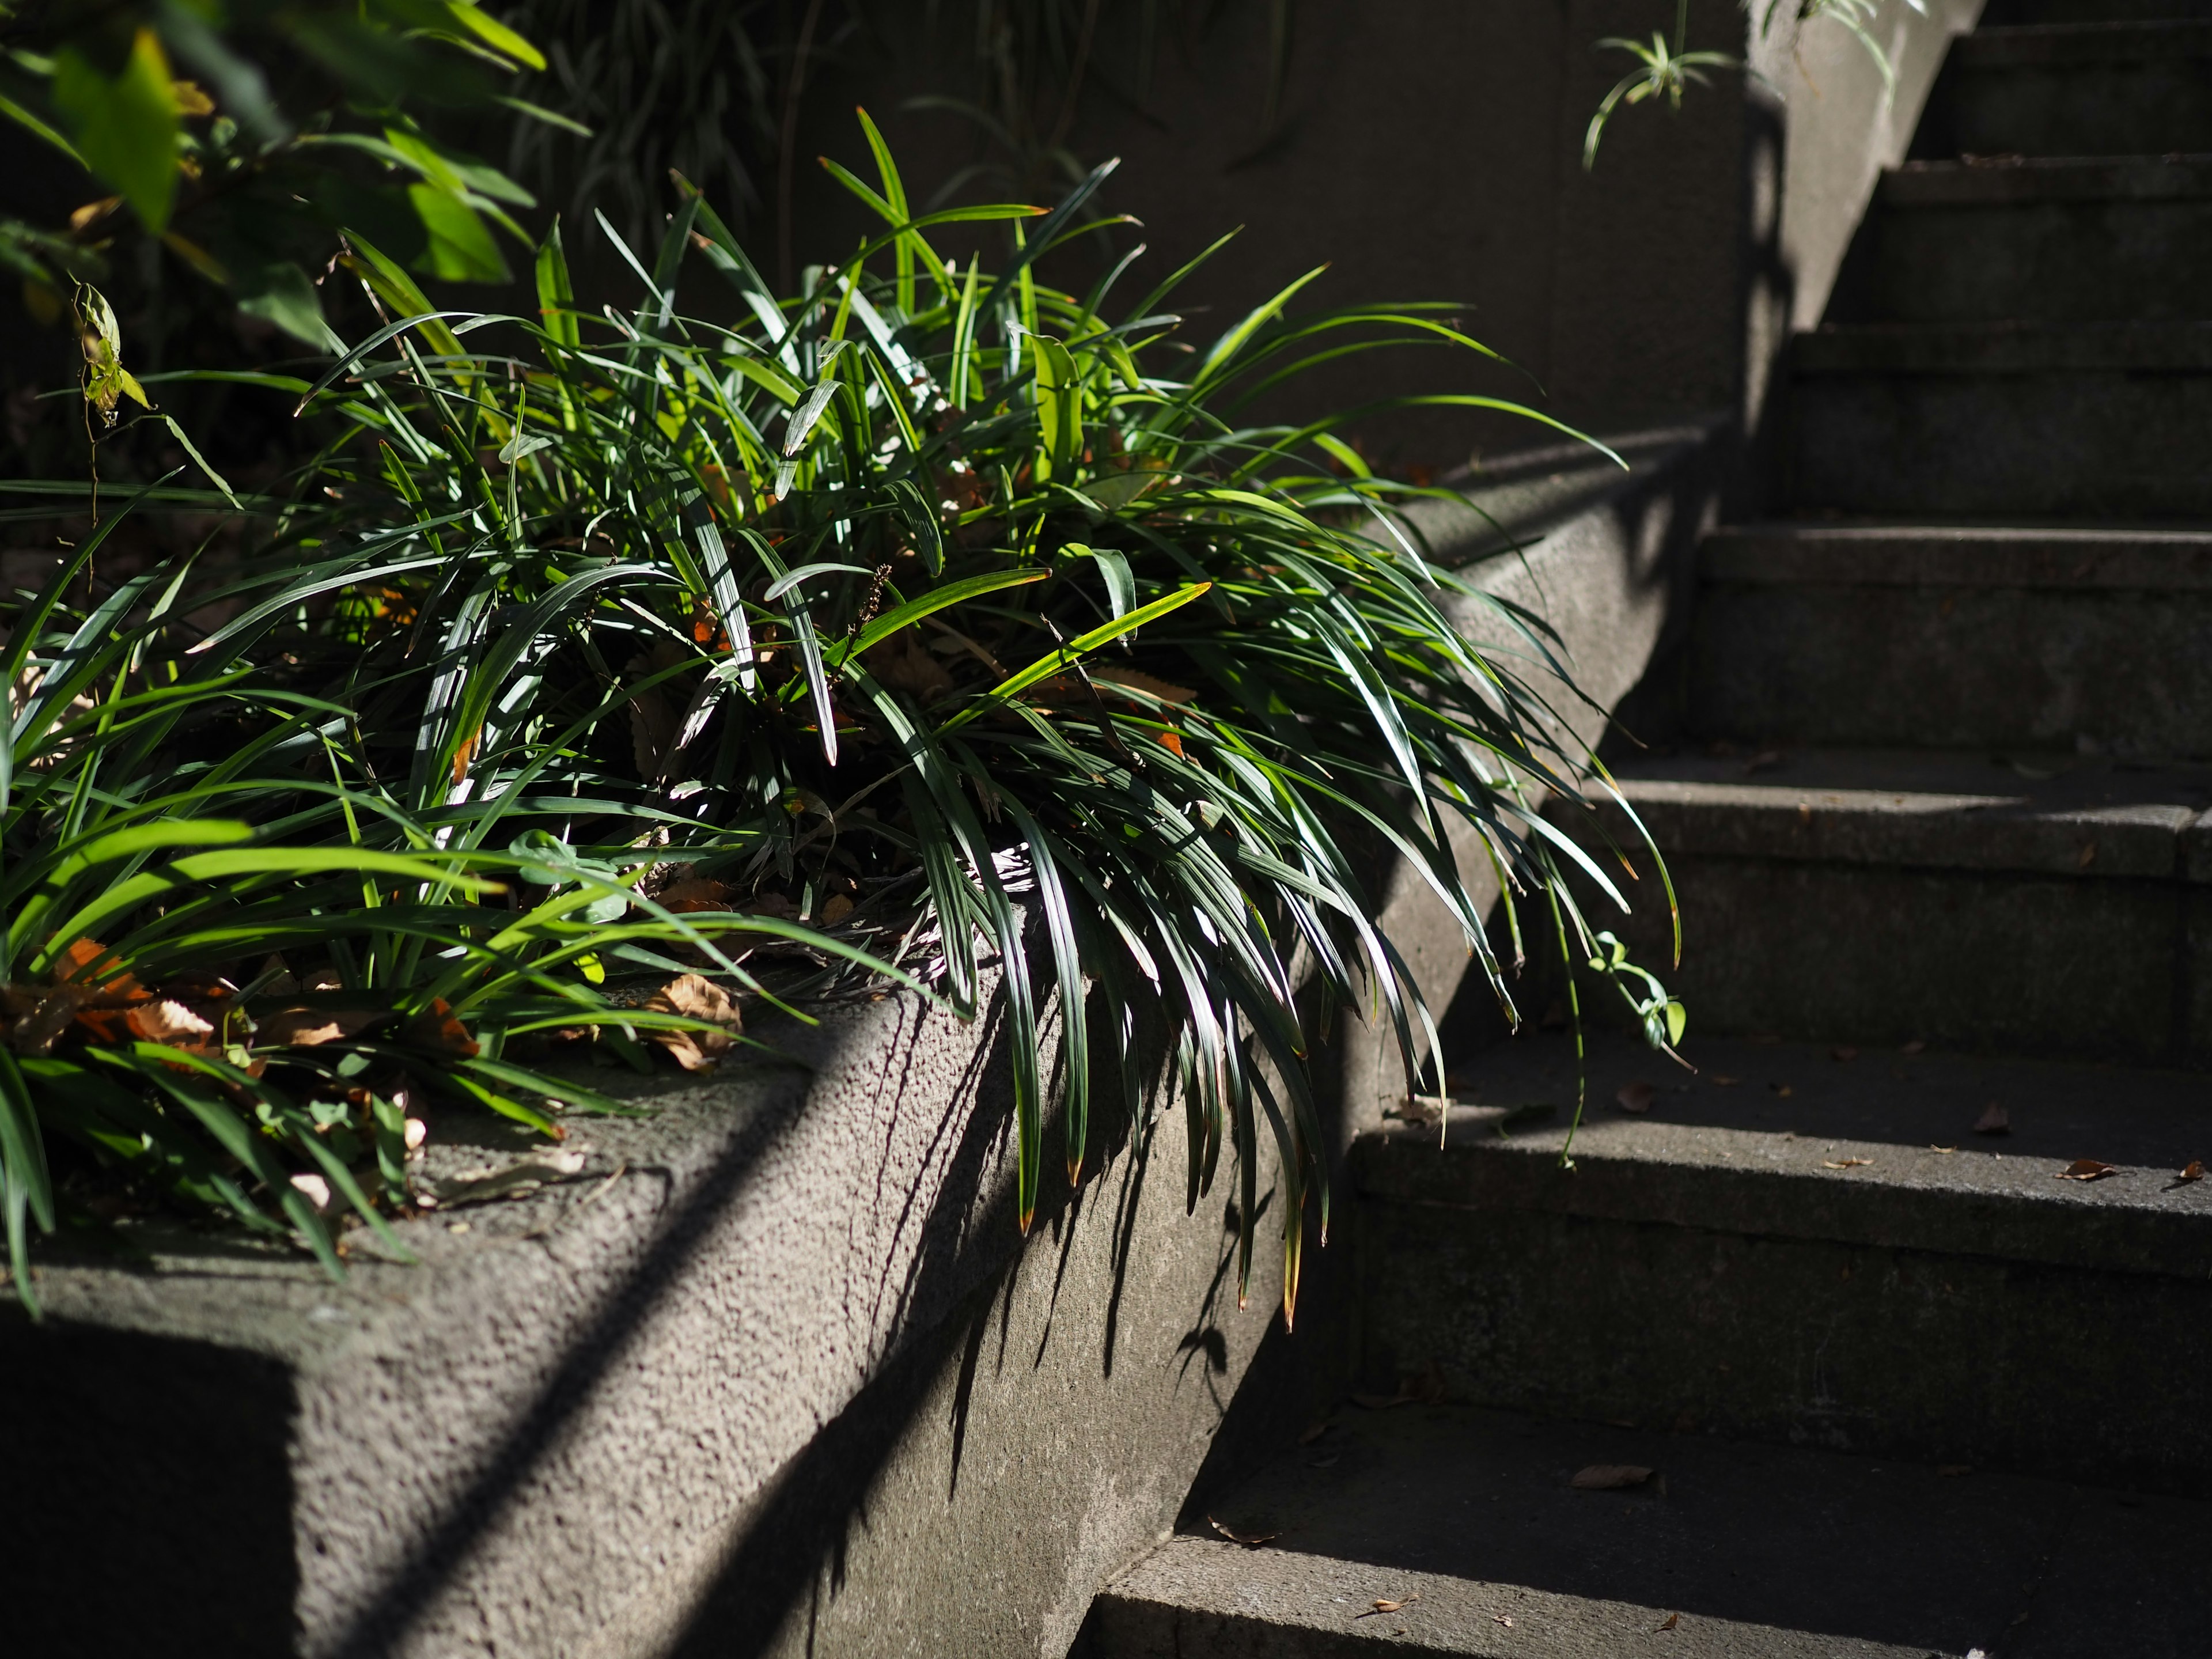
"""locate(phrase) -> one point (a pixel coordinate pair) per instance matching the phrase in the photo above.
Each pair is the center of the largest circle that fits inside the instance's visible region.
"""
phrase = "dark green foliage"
(936, 612)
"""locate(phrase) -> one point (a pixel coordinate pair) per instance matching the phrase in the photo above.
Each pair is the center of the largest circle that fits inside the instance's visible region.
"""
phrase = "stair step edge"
(2001, 348)
(2032, 827)
(2035, 181)
(2071, 44)
(1212, 1596)
(1783, 555)
(1970, 1200)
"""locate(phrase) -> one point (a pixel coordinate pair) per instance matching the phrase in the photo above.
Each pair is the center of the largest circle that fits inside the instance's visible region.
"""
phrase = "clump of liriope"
(923, 618)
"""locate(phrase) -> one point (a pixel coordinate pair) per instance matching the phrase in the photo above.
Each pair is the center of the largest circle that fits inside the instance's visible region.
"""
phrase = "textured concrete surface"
(2082, 89)
(1468, 1520)
(2047, 239)
(1812, 1267)
(788, 1312)
(1999, 663)
(1880, 896)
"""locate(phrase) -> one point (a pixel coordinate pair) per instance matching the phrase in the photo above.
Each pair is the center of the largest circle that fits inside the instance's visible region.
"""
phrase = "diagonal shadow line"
(440, 1556)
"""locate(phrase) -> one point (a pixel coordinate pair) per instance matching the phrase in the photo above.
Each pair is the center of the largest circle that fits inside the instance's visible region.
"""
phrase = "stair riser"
(1987, 962)
(2010, 668)
(2016, 14)
(2117, 443)
(1937, 1358)
(2054, 261)
(2153, 107)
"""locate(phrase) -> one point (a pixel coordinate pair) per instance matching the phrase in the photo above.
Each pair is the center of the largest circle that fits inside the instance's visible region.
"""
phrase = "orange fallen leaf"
(1781, 1091)
(463, 752)
(836, 909)
(2087, 1169)
(1165, 690)
(1720, 1080)
(93, 965)
(1636, 1096)
(1610, 1477)
(1672, 1619)
(1250, 1540)
(1171, 740)
(1994, 1121)
(1933, 1147)
(681, 897)
(1845, 1163)
(2192, 1171)
(436, 1027)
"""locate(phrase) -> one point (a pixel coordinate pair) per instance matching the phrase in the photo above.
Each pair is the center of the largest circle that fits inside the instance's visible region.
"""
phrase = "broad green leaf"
(125, 128)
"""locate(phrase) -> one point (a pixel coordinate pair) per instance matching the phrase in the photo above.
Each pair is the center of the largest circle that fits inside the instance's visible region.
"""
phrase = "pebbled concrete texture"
(1848, 634)
(1812, 1267)
(2110, 441)
(1469, 1521)
(1877, 897)
(787, 1312)
(2082, 89)
(2043, 241)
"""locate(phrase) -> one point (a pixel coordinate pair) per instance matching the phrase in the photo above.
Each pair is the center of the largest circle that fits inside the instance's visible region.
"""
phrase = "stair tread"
(2072, 44)
(1783, 552)
(2029, 180)
(2006, 346)
(1748, 1549)
(2090, 818)
(1724, 1150)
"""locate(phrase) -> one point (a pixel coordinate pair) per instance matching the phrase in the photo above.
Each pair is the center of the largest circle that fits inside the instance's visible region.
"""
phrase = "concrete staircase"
(1820, 1351)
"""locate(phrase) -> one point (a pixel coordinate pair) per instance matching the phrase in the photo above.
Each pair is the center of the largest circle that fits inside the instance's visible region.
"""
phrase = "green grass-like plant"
(930, 615)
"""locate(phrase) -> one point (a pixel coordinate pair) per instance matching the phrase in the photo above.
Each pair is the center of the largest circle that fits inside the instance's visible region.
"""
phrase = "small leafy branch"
(1667, 70)
(245, 142)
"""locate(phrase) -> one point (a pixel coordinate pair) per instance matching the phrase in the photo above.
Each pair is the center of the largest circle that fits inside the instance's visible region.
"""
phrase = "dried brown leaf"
(1994, 1121)
(1636, 1096)
(1250, 1540)
(1670, 1621)
(2089, 856)
(1781, 1091)
(2087, 1169)
(307, 1028)
(1164, 689)
(837, 907)
(696, 998)
(169, 1021)
(1845, 1163)
(2192, 1171)
(1385, 1604)
(1721, 1080)
(1610, 1477)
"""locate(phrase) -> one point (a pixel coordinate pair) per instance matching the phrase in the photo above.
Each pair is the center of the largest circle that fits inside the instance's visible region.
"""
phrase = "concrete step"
(2018, 14)
(2041, 905)
(1908, 635)
(1466, 1526)
(1791, 1246)
(2049, 240)
(1952, 420)
(2081, 88)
